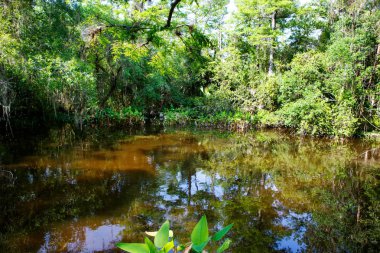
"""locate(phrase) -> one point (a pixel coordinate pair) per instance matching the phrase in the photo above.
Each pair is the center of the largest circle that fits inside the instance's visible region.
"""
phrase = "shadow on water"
(283, 193)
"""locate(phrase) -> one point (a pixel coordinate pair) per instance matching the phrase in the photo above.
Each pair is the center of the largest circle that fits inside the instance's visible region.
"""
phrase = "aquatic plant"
(164, 240)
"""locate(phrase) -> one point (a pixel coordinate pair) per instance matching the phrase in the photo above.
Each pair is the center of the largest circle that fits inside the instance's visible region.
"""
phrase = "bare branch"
(172, 7)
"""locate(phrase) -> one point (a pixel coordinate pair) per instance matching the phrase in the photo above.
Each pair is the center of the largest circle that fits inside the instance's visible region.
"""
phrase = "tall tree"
(262, 22)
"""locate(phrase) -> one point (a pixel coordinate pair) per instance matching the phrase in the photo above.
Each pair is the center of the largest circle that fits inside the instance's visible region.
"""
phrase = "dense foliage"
(311, 67)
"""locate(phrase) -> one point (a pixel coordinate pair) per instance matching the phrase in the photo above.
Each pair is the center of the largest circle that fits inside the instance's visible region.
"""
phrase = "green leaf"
(162, 236)
(134, 247)
(220, 234)
(200, 232)
(200, 247)
(168, 246)
(225, 245)
(149, 243)
(171, 234)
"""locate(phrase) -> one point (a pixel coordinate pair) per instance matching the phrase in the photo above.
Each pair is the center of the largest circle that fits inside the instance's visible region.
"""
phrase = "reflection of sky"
(199, 182)
(269, 184)
(290, 242)
(204, 182)
(101, 238)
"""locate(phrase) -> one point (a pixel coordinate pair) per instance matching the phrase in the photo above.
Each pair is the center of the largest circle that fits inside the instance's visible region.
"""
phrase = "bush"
(345, 123)
(177, 116)
(109, 116)
(309, 115)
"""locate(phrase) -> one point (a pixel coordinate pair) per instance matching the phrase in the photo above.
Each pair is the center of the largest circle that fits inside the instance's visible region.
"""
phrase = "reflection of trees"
(250, 207)
(50, 195)
(256, 181)
(41, 197)
(349, 213)
(312, 177)
(189, 188)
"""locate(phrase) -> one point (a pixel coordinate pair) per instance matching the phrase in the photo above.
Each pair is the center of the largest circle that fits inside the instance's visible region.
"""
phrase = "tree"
(263, 22)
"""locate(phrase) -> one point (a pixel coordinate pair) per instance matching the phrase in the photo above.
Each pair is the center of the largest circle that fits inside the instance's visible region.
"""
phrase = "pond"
(68, 193)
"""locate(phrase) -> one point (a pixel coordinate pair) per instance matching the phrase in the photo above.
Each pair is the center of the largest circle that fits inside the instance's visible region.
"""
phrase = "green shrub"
(345, 123)
(125, 116)
(309, 115)
(177, 116)
(267, 119)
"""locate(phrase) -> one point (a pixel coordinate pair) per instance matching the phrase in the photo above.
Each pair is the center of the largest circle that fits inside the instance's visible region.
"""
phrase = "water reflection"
(133, 153)
(283, 193)
(89, 240)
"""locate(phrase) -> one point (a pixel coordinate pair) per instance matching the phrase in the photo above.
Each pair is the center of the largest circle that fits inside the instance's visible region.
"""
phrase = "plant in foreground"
(164, 242)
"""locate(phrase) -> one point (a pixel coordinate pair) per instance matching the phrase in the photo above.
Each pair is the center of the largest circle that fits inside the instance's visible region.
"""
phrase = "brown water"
(283, 193)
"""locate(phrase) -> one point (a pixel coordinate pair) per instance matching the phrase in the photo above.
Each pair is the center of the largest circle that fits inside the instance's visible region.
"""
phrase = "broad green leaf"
(168, 246)
(150, 245)
(220, 234)
(200, 232)
(162, 236)
(171, 234)
(134, 247)
(200, 247)
(224, 246)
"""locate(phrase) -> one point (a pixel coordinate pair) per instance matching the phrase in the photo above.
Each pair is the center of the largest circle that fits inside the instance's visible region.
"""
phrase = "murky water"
(283, 193)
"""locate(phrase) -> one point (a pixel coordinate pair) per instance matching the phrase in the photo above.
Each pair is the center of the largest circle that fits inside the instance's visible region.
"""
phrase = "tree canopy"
(311, 67)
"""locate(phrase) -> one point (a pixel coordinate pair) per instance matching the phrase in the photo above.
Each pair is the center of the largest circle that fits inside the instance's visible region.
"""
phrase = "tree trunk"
(271, 52)
(112, 88)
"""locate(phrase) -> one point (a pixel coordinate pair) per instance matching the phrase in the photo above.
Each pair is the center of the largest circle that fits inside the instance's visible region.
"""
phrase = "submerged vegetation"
(312, 67)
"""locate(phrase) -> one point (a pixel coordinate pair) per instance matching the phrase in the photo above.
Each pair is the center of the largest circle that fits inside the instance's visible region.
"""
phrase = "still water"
(68, 193)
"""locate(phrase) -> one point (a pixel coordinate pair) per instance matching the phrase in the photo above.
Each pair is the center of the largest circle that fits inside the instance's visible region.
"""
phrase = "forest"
(309, 66)
(237, 125)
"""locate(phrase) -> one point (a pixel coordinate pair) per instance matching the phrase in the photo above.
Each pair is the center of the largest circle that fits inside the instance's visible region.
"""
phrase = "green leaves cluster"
(164, 241)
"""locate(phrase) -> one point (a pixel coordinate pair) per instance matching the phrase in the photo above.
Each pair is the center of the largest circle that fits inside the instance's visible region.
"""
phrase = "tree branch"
(137, 26)
(172, 7)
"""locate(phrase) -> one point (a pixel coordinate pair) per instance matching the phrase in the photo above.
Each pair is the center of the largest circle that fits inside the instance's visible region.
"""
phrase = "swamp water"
(283, 193)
